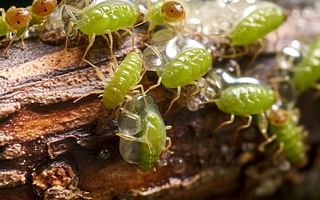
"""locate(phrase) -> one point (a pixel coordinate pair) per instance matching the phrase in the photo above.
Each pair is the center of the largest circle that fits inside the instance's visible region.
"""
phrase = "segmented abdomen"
(257, 24)
(154, 133)
(107, 17)
(308, 70)
(126, 76)
(290, 135)
(246, 99)
(190, 65)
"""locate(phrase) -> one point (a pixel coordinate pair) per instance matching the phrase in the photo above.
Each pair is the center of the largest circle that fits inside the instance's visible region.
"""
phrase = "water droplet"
(129, 123)
(23, 162)
(153, 59)
(248, 146)
(163, 35)
(178, 164)
(212, 87)
(287, 93)
(194, 104)
(284, 165)
(290, 55)
(224, 149)
(104, 154)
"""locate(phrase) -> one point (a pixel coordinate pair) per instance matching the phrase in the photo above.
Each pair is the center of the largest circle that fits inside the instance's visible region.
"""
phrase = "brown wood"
(40, 125)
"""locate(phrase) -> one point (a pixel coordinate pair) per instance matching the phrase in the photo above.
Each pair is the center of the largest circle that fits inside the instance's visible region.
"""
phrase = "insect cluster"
(182, 61)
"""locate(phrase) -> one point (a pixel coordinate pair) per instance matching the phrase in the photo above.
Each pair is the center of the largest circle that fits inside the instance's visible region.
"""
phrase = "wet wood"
(40, 125)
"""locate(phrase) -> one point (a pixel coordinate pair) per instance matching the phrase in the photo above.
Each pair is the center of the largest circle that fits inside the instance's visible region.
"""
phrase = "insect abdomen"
(4, 29)
(126, 76)
(247, 99)
(107, 17)
(155, 141)
(290, 135)
(149, 142)
(308, 70)
(190, 65)
(257, 24)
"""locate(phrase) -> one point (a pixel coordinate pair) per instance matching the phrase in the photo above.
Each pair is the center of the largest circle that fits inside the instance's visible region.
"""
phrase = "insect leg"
(258, 52)
(88, 94)
(154, 86)
(280, 150)
(174, 100)
(196, 91)
(149, 31)
(265, 143)
(235, 136)
(132, 37)
(91, 41)
(130, 114)
(130, 138)
(247, 125)
(235, 54)
(168, 143)
(69, 30)
(263, 124)
(98, 71)
(71, 10)
(110, 44)
(230, 121)
(119, 36)
(111, 48)
(11, 41)
(22, 38)
(140, 86)
(149, 8)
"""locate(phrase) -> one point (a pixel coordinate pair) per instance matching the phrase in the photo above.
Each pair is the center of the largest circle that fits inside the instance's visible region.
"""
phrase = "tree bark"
(45, 137)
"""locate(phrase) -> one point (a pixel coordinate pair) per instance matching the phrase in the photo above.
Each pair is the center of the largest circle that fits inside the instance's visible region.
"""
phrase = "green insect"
(307, 72)
(17, 20)
(288, 134)
(245, 100)
(102, 19)
(124, 79)
(241, 96)
(260, 19)
(189, 66)
(142, 132)
(14, 21)
(41, 9)
(164, 13)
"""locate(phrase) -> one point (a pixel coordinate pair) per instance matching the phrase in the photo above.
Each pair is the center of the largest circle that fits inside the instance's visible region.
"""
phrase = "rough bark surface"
(41, 128)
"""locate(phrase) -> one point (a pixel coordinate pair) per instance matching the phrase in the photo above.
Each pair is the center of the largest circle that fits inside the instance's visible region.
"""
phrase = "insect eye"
(43, 7)
(279, 117)
(18, 17)
(173, 11)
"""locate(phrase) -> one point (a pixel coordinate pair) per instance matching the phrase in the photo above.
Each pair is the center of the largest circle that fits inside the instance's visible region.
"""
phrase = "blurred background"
(18, 3)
